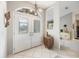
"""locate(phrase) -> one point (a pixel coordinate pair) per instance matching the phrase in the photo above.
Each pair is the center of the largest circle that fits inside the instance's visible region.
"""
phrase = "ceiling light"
(40, 10)
(36, 13)
(31, 10)
(36, 9)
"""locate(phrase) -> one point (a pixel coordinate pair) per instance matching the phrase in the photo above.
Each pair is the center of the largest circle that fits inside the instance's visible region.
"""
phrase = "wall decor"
(50, 24)
(7, 18)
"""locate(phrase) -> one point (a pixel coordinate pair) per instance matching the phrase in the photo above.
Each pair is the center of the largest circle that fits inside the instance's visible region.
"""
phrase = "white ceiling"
(43, 4)
(72, 5)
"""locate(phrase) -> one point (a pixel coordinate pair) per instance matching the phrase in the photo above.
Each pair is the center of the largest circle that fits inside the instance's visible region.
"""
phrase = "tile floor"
(42, 52)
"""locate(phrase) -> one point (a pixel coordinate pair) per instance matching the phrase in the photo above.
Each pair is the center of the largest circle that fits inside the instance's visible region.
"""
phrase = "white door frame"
(31, 31)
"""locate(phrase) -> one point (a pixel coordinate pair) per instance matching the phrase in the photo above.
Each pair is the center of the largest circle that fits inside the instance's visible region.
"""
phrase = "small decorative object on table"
(48, 41)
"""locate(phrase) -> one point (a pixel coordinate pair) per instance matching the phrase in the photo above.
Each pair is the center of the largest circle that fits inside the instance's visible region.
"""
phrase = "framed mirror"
(50, 24)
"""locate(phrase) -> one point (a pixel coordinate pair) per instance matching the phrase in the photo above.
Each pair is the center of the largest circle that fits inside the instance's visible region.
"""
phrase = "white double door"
(27, 32)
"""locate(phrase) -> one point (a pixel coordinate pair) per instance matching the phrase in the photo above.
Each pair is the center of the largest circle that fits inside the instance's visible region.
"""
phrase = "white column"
(55, 32)
(56, 29)
(45, 23)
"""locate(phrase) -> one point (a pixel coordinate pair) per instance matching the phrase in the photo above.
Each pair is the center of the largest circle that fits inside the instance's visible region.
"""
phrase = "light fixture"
(40, 10)
(31, 10)
(36, 9)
